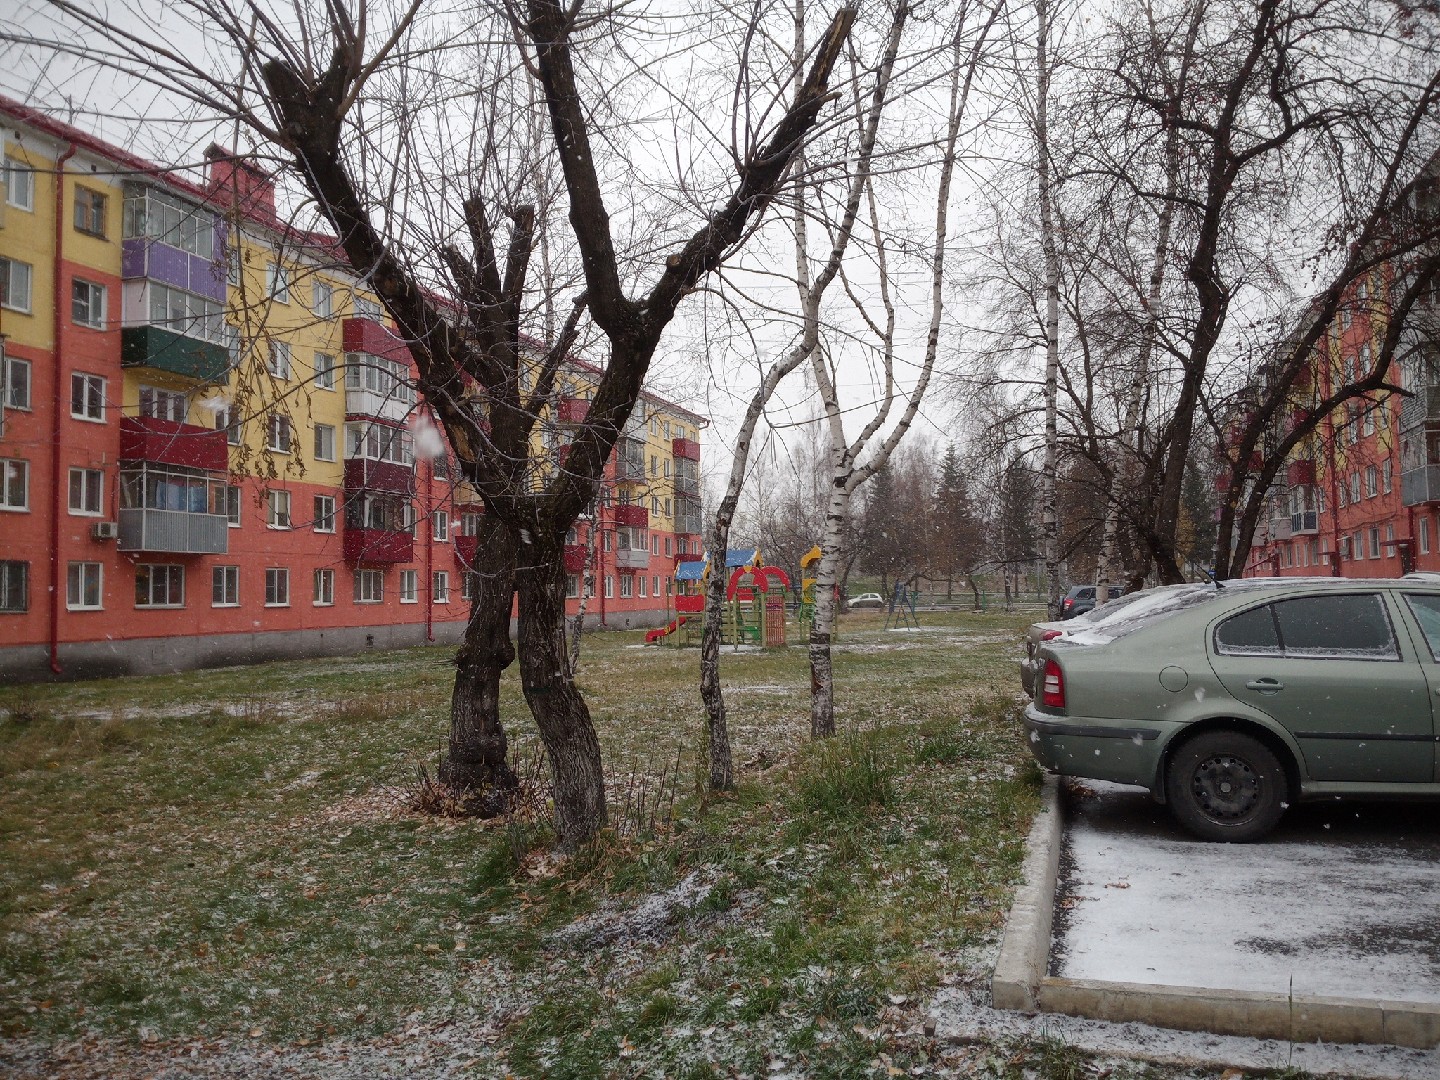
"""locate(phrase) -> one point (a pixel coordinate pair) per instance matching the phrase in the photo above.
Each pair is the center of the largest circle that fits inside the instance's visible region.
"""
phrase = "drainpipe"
(57, 591)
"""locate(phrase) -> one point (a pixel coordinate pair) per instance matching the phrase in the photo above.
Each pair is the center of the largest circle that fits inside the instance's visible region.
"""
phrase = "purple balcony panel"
(207, 276)
(132, 257)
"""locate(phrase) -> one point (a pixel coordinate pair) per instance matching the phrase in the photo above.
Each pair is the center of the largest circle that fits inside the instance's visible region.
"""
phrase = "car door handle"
(1265, 686)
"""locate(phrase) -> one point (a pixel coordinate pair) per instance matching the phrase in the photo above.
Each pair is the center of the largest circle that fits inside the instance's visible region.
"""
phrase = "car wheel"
(1226, 786)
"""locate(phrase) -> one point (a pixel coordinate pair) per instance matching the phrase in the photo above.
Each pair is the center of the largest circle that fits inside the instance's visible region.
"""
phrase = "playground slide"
(652, 636)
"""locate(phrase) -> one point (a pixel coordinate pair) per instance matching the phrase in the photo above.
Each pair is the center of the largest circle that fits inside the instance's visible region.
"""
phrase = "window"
(1372, 484)
(470, 523)
(440, 587)
(627, 586)
(14, 586)
(225, 421)
(87, 304)
(365, 308)
(409, 586)
(1424, 529)
(87, 487)
(572, 586)
(607, 541)
(667, 545)
(190, 315)
(655, 585)
(654, 461)
(609, 587)
(279, 364)
(323, 298)
(1355, 487)
(15, 376)
(277, 436)
(324, 588)
(654, 543)
(640, 580)
(390, 379)
(163, 404)
(277, 586)
(1389, 541)
(89, 211)
(14, 284)
(232, 265)
(14, 484)
(325, 513)
(277, 509)
(667, 468)
(324, 442)
(440, 526)
(83, 586)
(225, 586)
(1341, 495)
(1387, 476)
(324, 371)
(378, 442)
(231, 499)
(1341, 626)
(1374, 542)
(19, 184)
(469, 581)
(159, 586)
(277, 283)
(1369, 428)
(160, 216)
(655, 504)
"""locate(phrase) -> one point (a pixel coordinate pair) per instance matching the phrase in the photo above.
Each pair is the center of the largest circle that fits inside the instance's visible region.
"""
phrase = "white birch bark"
(1050, 519)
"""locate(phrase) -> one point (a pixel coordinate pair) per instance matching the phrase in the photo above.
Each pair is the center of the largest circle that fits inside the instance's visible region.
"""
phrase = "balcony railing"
(574, 558)
(572, 410)
(1420, 486)
(1300, 472)
(1279, 528)
(157, 347)
(147, 438)
(631, 515)
(360, 402)
(174, 531)
(377, 545)
(688, 449)
(370, 336)
(633, 559)
(366, 474)
(465, 547)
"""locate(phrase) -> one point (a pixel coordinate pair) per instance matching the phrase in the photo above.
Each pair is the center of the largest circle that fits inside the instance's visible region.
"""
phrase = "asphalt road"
(1343, 900)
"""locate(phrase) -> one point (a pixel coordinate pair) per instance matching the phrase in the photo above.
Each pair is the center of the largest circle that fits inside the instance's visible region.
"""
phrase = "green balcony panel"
(156, 347)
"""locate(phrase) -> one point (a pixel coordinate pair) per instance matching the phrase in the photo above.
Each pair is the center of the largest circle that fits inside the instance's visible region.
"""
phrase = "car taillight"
(1051, 635)
(1068, 603)
(1052, 686)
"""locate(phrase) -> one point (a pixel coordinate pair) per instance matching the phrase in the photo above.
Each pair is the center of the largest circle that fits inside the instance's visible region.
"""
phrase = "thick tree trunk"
(722, 770)
(555, 702)
(475, 764)
(822, 628)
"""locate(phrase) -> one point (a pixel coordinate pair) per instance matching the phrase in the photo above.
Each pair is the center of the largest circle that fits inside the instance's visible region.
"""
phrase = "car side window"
(1426, 610)
(1347, 625)
(1249, 633)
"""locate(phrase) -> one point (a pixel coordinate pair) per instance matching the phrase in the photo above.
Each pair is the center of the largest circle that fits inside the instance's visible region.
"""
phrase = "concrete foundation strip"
(1020, 981)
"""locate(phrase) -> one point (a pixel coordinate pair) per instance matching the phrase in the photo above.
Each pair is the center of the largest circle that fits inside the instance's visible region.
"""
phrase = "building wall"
(124, 635)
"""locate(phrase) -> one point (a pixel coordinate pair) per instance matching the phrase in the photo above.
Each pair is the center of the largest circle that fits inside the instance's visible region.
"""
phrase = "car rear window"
(1339, 626)
(1147, 610)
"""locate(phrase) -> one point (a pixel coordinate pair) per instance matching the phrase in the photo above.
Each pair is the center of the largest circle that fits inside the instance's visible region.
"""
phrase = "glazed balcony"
(165, 350)
(366, 474)
(377, 545)
(165, 442)
(176, 531)
(1304, 523)
(1420, 486)
(633, 559)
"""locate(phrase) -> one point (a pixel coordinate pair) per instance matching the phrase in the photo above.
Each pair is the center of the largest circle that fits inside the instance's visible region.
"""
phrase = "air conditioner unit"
(104, 530)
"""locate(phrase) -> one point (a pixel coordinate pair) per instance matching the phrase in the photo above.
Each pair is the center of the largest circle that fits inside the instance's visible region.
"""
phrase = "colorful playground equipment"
(755, 598)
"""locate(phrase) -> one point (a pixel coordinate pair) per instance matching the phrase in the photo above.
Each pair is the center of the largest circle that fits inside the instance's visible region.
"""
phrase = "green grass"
(224, 853)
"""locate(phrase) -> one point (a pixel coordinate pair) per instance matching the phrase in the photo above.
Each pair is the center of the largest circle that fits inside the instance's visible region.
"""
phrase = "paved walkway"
(1343, 900)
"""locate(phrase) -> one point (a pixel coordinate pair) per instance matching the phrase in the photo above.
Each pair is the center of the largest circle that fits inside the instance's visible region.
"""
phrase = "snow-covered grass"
(217, 871)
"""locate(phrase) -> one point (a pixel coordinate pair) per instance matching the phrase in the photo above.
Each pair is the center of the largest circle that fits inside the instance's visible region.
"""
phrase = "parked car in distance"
(1231, 702)
(1081, 598)
(1048, 631)
(869, 599)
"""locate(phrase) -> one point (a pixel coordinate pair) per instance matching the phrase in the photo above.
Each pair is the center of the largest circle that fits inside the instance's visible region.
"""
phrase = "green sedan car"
(1230, 702)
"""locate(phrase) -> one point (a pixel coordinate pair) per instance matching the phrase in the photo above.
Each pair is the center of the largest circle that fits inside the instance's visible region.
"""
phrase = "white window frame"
(1424, 531)
(324, 370)
(572, 586)
(80, 573)
(324, 442)
(14, 586)
(163, 404)
(91, 488)
(324, 513)
(10, 469)
(11, 282)
(13, 383)
(232, 505)
(363, 578)
(277, 586)
(92, 397)
(88, 197)
(228, 580)
(609, 587)
(1372, 481)
(324, 589)
(642, 584)
(172, 572)
(1387, 477)
(1374, 541)
(19, 193)
(93, 292)
(278, 364)
(627, 586)
(440, 587)
(277, 283)
(279, 434)
(440, 527)
(277, 509)
(322, 298)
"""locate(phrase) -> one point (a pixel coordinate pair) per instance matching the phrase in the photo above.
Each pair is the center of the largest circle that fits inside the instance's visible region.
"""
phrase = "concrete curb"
(1025, 947)
(1020, 981)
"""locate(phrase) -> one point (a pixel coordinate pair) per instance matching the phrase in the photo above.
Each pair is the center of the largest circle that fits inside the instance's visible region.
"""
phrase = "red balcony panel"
(1222, 483)
(146, 438)
(686, 448)
(574, 558)
(632, 515)
(1300, 472)
(572, 410)
(465, 547)
(378, 546)
(369, 336)
(362, 474)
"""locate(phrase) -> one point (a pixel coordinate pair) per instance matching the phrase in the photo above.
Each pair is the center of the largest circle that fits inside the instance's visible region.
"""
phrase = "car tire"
(1225, 786)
